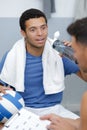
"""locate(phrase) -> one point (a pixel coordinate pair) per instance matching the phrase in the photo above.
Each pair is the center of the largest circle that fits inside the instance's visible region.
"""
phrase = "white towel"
(14, 66)
(53, 70)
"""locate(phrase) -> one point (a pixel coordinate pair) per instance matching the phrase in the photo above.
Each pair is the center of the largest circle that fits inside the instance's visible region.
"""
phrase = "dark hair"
(29, 14)
(78, 29)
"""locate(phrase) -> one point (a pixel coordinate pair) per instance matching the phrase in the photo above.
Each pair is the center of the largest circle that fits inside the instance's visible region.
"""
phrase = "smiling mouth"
(40, 40)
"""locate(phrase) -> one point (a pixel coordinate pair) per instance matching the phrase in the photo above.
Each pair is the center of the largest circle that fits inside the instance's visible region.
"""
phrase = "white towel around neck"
(14, 67)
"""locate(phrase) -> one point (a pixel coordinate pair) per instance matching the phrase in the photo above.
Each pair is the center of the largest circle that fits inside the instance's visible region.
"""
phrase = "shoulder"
(83, 112)
(84, 97)
(84, 104)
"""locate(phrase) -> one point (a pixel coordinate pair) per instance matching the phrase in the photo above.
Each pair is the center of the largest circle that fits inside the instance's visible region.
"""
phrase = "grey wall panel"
(60, 24)
(9, 33)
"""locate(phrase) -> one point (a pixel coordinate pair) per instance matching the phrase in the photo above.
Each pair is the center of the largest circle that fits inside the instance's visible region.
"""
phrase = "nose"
(39, 32)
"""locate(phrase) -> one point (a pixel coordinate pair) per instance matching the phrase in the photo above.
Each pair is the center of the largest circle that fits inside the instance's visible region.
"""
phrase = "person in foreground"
(35, 70)
(78, 31)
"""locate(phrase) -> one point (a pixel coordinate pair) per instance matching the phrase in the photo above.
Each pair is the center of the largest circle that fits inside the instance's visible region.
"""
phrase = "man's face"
(36, 32)
(80, 53)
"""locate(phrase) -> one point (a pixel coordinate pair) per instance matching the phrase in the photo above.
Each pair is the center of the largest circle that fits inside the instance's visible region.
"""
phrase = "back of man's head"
(78, 29)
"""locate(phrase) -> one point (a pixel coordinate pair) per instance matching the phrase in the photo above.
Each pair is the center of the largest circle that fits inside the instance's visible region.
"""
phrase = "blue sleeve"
(1, 66)
(69, 66)
(2, 61)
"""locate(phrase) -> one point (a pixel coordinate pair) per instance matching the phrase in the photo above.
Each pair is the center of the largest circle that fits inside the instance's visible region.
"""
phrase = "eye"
(44, 27)
(32, 29)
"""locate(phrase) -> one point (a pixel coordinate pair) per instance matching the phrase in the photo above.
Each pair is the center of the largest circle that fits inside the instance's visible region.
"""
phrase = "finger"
(0, 98)
(67, 43)
(53, 127)
(3, 89)
(47, 117)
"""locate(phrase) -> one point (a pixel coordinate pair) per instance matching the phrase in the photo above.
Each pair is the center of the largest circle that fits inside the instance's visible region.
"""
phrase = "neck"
(35, 51)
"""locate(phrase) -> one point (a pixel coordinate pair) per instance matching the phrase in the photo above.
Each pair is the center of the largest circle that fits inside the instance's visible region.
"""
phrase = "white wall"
(13, 8)
(65, 8)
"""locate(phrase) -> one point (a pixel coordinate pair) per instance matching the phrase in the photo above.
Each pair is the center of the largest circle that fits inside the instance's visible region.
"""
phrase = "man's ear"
(23, 33)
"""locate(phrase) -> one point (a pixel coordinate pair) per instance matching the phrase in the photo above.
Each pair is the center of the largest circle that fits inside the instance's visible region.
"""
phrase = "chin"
(84, 70)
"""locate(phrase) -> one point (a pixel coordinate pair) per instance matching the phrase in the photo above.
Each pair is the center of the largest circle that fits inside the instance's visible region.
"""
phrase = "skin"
(35, 34)
(59, 123)
(1, 126)
(80, 53)
(83, 125)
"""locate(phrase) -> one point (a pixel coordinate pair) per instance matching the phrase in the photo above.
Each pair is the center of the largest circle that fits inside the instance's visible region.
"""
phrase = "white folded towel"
(14, 66)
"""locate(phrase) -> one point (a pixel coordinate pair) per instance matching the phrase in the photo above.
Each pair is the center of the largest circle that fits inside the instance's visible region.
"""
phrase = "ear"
(23, 33)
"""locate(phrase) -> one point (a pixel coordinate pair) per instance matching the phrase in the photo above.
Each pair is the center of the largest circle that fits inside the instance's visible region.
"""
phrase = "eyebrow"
(37, 26)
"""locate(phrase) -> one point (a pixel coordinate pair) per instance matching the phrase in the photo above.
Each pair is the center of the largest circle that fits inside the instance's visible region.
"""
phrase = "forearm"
(74, 122)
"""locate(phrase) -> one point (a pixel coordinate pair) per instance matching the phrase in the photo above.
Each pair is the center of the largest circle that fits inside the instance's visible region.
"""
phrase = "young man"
(35, 69)
(78, 31)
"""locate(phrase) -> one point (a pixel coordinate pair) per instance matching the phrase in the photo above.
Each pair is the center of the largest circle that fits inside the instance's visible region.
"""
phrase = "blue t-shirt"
(33, 94)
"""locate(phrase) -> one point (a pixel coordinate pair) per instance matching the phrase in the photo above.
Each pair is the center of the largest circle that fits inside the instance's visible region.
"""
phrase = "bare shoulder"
(83, 112)
(84, 98)
(84, 103)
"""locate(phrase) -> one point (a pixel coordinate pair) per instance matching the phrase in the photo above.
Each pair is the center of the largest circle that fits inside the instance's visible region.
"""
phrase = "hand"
(67, 43)
(3, 89)
(57, 123)
(1, 126)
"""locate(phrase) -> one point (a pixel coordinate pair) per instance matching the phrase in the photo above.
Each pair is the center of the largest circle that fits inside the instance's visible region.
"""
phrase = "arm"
(83, 115)
(72, 68)
(3, 85)
(60, 123)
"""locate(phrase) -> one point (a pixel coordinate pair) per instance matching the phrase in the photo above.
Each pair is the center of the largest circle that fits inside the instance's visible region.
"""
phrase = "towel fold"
(14, 67)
